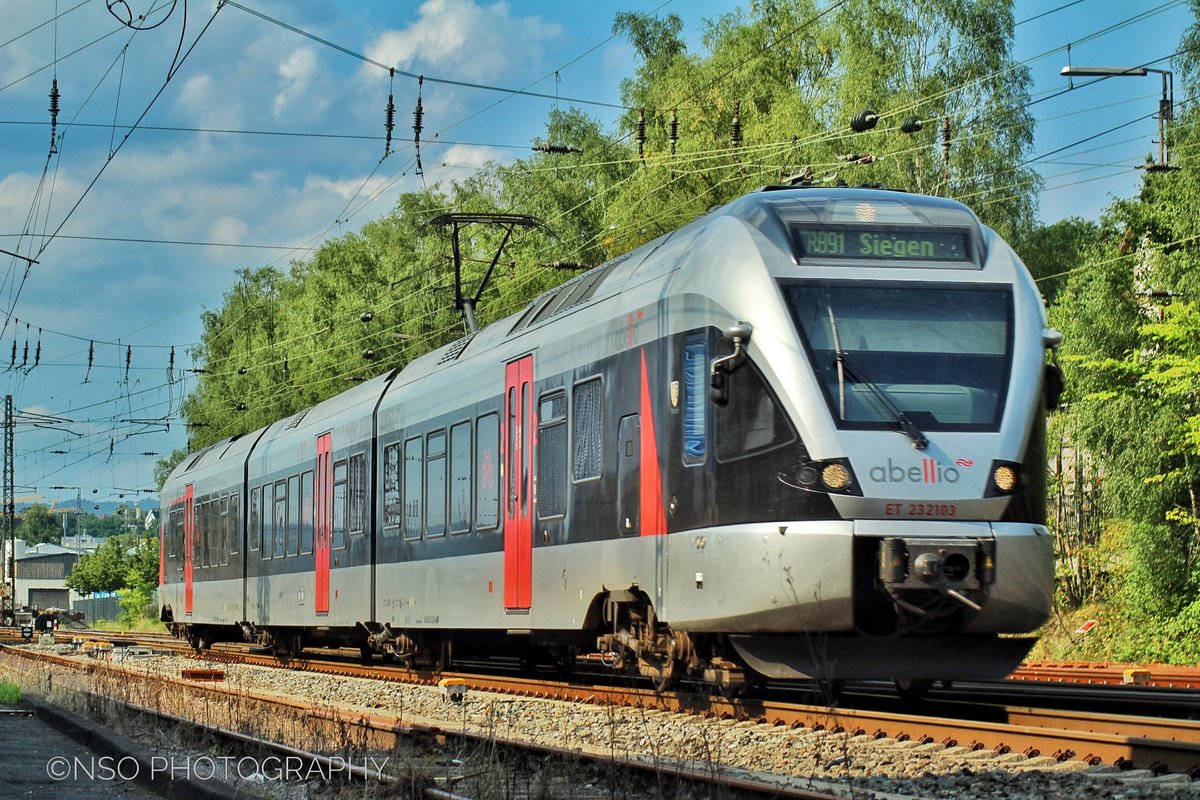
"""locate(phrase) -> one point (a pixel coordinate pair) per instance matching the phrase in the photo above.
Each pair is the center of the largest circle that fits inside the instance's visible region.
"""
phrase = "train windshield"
(933, 356)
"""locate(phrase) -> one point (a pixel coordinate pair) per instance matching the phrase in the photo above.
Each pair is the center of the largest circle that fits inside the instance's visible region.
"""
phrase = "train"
(799, 438)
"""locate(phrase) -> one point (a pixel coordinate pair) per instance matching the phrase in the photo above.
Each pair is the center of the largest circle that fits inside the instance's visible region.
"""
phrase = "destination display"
(889, 243)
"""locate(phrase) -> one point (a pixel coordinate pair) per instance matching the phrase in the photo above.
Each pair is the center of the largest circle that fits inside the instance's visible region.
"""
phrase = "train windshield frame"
(939, 354)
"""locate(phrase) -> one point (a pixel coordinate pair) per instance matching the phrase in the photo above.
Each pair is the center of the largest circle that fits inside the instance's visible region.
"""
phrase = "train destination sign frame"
(883, 243)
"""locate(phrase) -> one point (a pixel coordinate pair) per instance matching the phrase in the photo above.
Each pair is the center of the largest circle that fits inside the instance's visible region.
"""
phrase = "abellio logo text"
(930, 471)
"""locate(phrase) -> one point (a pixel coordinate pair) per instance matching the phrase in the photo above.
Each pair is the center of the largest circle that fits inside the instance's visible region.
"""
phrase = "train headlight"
(1005, 479)
(835, 477)
(832, 476)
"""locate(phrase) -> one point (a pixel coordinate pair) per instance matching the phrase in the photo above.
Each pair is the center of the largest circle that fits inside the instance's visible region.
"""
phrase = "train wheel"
(365, 652)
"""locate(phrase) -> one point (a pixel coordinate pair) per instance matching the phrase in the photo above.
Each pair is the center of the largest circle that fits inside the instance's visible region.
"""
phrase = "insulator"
(37, 356)
(12, 362)
(735, 135)
(673, 131)
(54, 96)
(25, 355)
(389, 125)
(911, 125)
(946, 140)
(640, 137)
(864, 121)
(419, 119)
(557, 149)
(128, 358)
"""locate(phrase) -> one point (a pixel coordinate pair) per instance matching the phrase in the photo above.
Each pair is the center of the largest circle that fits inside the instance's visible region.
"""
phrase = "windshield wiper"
(901, 420)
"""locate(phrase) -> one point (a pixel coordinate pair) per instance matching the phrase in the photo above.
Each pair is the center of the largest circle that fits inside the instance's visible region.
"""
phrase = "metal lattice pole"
(9, 509)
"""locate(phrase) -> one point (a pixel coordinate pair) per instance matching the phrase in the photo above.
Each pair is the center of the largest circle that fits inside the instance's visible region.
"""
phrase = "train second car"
(801, 437)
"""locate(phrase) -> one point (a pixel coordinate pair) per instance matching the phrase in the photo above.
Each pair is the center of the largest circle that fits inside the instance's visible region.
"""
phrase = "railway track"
(1051, 736)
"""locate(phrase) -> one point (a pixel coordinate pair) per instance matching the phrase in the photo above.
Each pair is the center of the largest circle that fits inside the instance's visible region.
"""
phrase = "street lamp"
(1166, 105)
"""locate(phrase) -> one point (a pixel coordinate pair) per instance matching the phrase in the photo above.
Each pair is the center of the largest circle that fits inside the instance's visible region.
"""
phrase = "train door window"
(460, 477)
(169, 528)
(435, 484)
(487, 481)
(235, 524)
(412, 487)
(512, 469)
(358, 493)
(306, 512)
(198, 551)
(293, 530)
(338, 529)
(392, 510)
(752, 421)
(587, 453)
(280, 518)
(552, 455)
(268, 511)
(695, 400)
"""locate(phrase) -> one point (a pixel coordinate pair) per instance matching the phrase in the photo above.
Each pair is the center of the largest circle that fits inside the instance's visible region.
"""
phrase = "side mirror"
(738, 333)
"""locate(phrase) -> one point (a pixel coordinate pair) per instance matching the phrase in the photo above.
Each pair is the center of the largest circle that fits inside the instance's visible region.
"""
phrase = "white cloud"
(295, 84)
(462, 39)
(228, 229)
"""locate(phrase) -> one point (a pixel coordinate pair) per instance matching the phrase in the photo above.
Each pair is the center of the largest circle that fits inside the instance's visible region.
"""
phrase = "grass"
(10, 693)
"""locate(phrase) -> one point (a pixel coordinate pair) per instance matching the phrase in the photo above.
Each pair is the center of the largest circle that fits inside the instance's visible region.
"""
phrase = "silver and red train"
(800, 437)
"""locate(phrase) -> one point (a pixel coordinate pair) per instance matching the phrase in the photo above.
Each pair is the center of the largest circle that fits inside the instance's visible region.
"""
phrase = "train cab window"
(293, 529)
(487, 478)
(255, 521)
(338, 529)
(413, 463)
(435, 484)
(392, 510)
(235, 526)
(752, 421)
(586, 456)
(281, 520)
(460, 477)
(268, 511)
(695, 400)
(552, 455)
(306, 512)
(358, 493)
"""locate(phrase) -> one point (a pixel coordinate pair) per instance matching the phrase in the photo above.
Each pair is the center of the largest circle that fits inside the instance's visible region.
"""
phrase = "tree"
(105, 570)
(141, 579)
(39, 525)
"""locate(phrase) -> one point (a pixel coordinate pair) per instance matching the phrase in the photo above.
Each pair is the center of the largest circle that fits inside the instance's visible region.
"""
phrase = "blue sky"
(125, 226)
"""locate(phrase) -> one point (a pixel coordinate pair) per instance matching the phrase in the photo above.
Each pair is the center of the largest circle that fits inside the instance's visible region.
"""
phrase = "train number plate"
(920, 510)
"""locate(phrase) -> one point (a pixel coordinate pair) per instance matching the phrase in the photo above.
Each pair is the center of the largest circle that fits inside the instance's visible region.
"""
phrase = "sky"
(207, 141)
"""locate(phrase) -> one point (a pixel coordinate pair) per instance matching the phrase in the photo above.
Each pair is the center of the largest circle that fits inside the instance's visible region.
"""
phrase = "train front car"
(892, 527)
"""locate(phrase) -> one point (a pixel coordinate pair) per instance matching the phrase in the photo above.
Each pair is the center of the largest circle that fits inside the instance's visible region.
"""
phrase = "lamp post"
(1166, 105)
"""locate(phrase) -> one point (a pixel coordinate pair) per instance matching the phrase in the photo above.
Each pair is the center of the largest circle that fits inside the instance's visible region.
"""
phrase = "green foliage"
(39, 525)
(105, 570)
(10, 693)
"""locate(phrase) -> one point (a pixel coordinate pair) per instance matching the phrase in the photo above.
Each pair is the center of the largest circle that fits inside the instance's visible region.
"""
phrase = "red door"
(322, 522)
(189, 548)
(518, 479)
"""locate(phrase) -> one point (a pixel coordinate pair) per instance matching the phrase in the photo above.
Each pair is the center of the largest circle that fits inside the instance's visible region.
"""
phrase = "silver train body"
(801, 437)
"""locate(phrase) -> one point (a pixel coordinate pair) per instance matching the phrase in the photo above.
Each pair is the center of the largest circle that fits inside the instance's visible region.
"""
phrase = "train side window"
(306, 512)
(268, 506)
(752, 421)
(358, 493)
(587, 453)
(487, 481)
(695, 400)
(224, 539)
(255, 521)
(293, 533)
(235, 525)
(392, 509)
(552, 455)
(435, 484)
(338, 529)
(413, 463)
(460, 477)
(280, 518)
